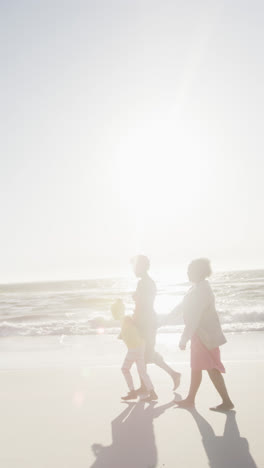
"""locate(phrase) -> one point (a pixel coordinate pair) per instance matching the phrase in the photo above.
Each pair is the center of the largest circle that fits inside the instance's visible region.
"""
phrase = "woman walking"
(203, 328)
(145, 318)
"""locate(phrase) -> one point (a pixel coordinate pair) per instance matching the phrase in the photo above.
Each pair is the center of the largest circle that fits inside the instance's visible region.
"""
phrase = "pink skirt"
(203, 358)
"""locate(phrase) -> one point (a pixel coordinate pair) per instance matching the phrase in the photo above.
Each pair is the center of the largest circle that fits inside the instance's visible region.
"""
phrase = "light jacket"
(200, 316)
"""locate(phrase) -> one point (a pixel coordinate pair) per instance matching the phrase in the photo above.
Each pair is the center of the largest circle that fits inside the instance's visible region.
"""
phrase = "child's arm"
(120, 337)
(117, 310)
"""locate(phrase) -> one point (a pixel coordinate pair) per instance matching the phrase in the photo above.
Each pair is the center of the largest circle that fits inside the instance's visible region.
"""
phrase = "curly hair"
(199, 269)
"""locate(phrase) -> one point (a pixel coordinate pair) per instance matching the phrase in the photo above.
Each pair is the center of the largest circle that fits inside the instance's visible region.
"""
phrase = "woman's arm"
(172, 315)
(194, 305)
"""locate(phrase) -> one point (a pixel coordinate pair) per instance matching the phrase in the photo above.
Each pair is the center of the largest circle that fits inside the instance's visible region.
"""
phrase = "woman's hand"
(182, 345)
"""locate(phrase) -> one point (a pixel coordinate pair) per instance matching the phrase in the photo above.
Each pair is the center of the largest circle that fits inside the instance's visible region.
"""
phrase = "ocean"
(82, 307)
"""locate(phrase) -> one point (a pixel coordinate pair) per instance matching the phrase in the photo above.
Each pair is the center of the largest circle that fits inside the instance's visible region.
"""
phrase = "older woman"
(203, 328)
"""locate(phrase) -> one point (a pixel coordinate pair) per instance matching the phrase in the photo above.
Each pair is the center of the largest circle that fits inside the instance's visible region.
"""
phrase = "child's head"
(199, 269)
(141, 265)
(118, 309)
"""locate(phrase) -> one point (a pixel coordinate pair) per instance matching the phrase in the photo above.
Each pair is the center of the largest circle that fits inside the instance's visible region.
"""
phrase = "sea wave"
(83, 307)
(43, 326)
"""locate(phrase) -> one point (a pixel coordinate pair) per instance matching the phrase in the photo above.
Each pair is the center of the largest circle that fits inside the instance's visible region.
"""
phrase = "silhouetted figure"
(133, 439)
(203, 328)
(145, 317)
(135, 353)
(226, 451)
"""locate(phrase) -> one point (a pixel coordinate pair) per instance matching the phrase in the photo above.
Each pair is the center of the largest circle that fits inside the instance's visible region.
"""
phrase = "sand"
(60, 407)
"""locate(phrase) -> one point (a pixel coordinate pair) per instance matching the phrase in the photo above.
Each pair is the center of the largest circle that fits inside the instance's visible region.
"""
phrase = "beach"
(132, 177)
(61, 407)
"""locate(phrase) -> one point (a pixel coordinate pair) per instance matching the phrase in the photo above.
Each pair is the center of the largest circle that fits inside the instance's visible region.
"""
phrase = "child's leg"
(127, 364)
(142, 370)
(196, 378)
(219, 383)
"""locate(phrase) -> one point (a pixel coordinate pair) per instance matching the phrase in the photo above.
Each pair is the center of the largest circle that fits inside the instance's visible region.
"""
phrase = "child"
(135, 353)
(203, 328)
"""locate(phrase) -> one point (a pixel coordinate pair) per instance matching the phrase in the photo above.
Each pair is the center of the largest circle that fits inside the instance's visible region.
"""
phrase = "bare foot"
(152, 396)
(141, 390)
(185, 403)
(223, 407)
(132, 395)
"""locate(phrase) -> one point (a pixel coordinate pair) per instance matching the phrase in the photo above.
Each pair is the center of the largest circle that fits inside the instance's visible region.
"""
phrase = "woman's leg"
(142, 371)
(127, 364)
(152, 356)
(196, 378)
(219, 383)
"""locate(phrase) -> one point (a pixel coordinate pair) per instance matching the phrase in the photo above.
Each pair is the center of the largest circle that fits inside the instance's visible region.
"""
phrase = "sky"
(130, 126)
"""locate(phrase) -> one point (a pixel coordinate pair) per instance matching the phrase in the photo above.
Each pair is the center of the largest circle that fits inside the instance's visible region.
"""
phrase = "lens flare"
(78, 398)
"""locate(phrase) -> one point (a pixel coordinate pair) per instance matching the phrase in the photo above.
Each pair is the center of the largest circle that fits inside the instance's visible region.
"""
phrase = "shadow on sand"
(133, 440)
(226, 451)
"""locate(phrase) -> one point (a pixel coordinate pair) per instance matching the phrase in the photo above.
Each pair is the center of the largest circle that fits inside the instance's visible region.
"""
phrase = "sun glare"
(156, 170)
